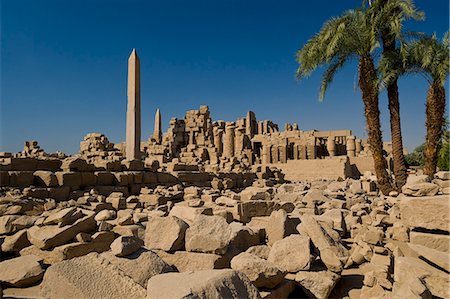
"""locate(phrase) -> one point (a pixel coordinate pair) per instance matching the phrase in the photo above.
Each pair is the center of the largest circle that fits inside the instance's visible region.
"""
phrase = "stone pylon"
(133, 138)
(157, 131)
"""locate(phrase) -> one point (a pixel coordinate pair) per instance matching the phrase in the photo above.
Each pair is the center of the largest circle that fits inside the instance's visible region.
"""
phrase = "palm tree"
(430, 57)
(387, 19)
(341, 39)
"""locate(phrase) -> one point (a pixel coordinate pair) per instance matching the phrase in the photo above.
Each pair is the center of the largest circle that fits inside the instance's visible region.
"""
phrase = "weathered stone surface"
(208, 234)
(261, 272)
(6, 224)
(420, 189)
(45, 178)
(333, 254)
(16, 242)
(261, 251)
(433, 241)
(105, 215)
(140, 266)
(426, 212)
(201, 284)
(185, 261)
(101, 242)
(51, 235)
(407, 268)
(21, 271)
(291, 254)
(317, 284)
(90, 276)
(189, 214)
(63, 216)
(278, 226)
(165, 233)
(126, 245)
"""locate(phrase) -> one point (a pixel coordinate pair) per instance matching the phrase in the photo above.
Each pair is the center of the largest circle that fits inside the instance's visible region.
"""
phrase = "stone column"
(133, 136)
(218, 133)
(250, 124)
(331, 146)
(157, 131)
(358, 146)
(351, 146)
(228, 146)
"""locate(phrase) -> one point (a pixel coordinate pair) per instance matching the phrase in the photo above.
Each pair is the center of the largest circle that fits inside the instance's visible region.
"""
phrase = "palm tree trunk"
(367, 82)
(435, 120)
(396, 131)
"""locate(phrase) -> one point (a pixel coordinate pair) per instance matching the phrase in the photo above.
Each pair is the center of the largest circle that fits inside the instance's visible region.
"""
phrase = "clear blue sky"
(63, 67)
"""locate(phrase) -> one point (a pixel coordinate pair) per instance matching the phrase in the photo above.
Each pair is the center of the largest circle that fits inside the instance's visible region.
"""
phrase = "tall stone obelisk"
(157, 131)
(133, 138)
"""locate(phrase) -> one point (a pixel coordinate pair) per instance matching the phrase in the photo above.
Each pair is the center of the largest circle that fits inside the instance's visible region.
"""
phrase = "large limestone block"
(255, 193)
(420, 189)
(436, 257)
(68, 178)
(426, 212)
(317, 284)
(433, 241)
(185, 261)
(279, 226)
(75, 164)
(16, 242)
(101, 242)
(242, 237)
(332, 253)
(189, 214)
(140, 266)
(63, 216)
(202, 285)
(21, 271)
(126, 245)
(90, 276)
(407, 268)
(52, 235)
(20, 179)
(44, 178)
(7, 224)
(208, 234)
(291, 254)
(165, 233)
(261, 272)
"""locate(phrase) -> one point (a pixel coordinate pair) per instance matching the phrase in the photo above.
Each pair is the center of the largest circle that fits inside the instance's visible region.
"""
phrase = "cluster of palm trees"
(357, 34)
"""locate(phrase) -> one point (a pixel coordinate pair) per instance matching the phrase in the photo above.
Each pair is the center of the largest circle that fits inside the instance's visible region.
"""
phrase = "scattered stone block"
(126, 245)
(208, 234)
(202, 284)
(165, 233)
(21, 271)
(291, 254)
(317, 284)
(260, 272)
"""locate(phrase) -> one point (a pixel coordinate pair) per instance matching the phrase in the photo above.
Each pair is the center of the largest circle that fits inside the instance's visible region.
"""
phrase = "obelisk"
(133, 138)
(157, 132)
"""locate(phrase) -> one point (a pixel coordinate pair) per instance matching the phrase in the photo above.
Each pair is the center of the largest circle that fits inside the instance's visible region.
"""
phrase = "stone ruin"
(206, 210)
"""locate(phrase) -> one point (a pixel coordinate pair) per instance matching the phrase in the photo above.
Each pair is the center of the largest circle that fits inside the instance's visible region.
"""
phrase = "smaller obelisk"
(133, 138)
(157, 132)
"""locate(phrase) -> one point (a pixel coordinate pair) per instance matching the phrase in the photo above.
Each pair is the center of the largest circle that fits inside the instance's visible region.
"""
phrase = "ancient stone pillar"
(250, 124)
(331, 146)
(282, 150)
(218, 133)
(133, 135)
(157, 131)
(274, 152)
(228, 146)
(358, 146)
(351, 146)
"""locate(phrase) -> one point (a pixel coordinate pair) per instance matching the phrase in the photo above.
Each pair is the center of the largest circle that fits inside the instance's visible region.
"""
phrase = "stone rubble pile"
(265, 239)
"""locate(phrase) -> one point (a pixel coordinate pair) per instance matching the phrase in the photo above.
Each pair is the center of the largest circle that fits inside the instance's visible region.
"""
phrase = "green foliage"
(416, 157)
(338, 41)
(426, 55)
